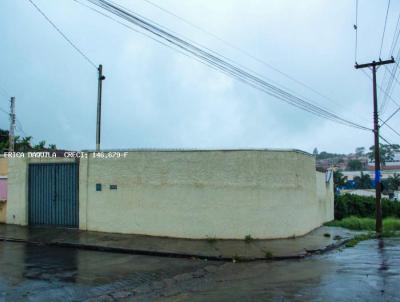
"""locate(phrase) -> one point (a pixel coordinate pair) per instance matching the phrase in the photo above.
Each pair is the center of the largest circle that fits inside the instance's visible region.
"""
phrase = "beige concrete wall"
(17, 199)
(325, 197)
(223, 194)
(193, 194)
(17, 203)
(3, 166)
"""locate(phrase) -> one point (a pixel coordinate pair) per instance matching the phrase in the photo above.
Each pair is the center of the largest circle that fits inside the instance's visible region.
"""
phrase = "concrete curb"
(109, 249)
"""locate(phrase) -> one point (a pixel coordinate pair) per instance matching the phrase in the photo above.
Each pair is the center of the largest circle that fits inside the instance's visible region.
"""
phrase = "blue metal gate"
(53, 194)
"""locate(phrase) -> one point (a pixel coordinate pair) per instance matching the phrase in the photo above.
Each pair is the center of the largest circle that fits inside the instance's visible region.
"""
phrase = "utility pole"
(98, 119)
(378, 186)
(12, 125)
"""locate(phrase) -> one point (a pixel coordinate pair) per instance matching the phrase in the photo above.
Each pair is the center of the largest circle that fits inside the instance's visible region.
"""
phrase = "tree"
(360, 151)
(387, 152)
(354, 165)
(396, 181)
(363, 181)
(326, 155)
(40, 146)
(3, 140)
(339, 179)
(52, 147)
(315, 151)
(392, 183)
(24, 144)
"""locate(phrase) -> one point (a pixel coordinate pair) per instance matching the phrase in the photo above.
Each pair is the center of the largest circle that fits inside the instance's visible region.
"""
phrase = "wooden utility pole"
(99, 93)
(12, 125)
(378, 186)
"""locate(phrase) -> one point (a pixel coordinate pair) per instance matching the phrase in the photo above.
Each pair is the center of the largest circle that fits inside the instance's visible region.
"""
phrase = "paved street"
(368, 272)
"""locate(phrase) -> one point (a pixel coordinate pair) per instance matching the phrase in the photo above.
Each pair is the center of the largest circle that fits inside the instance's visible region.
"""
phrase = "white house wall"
(192, 194)
(200, 194)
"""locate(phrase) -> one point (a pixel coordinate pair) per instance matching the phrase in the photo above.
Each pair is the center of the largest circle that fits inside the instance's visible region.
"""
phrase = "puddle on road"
(53, 273)
(371, 270)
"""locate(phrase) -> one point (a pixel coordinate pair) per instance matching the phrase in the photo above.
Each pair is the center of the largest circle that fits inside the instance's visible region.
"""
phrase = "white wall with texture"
(200, 194)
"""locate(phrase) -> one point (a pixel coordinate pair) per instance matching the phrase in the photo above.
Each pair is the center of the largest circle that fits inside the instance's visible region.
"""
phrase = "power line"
(20, 128)
(216, 60)
(395, 131)
(356, 33)
(395, 36)
(389, 86)
(386, 94)
(380, 88)
(390, 144)
(19, 124)
(240, 50)
(384, 28)
(393, 77)
(4, 111)
(180, 51)
(63, 35)
(392, 115)
(4, 91)
(393, 45)
(131, 28)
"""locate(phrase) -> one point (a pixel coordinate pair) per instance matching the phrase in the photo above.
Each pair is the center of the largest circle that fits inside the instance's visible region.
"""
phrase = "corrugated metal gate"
(53, 194)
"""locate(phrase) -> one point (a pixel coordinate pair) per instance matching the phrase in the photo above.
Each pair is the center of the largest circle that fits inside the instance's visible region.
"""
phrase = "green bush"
(354, 223)
(390, 224)
(352, 205)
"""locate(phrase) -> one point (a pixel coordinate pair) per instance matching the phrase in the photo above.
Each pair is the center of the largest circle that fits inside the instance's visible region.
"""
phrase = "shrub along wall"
(361, 206)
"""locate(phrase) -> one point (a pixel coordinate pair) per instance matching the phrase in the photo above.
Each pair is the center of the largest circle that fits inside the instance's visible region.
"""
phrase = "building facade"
(176, 193)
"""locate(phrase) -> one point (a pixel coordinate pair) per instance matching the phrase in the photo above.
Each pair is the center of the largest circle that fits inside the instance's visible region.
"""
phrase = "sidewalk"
(314, 242)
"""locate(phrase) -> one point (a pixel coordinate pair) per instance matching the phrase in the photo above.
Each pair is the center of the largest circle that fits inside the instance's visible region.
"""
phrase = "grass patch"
(391, 224)
(391, 228)
(366, 224)
(370, 235)
(353, 242)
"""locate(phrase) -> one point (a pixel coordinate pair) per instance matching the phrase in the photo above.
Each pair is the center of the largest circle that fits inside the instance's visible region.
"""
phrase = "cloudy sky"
(156, 97)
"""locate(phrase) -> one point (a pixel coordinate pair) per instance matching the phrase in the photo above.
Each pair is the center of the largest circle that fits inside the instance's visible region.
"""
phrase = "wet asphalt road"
(368, 272)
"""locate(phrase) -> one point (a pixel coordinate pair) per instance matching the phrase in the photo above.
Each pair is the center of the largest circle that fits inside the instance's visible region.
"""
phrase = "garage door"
(53, 194)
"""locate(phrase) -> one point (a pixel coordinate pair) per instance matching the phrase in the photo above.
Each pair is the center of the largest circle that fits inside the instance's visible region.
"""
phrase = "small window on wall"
(113, 187)
(98, 187)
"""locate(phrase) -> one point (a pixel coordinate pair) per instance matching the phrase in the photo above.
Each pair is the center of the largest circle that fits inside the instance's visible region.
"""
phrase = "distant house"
(393, 165)
(359, 192)
(395, 196)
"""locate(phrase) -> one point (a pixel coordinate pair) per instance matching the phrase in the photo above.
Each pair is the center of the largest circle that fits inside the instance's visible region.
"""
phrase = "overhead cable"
(239, 49)
(356, 34)
(391, 116)
(63, 35)
(384, 28)
(222, 65)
